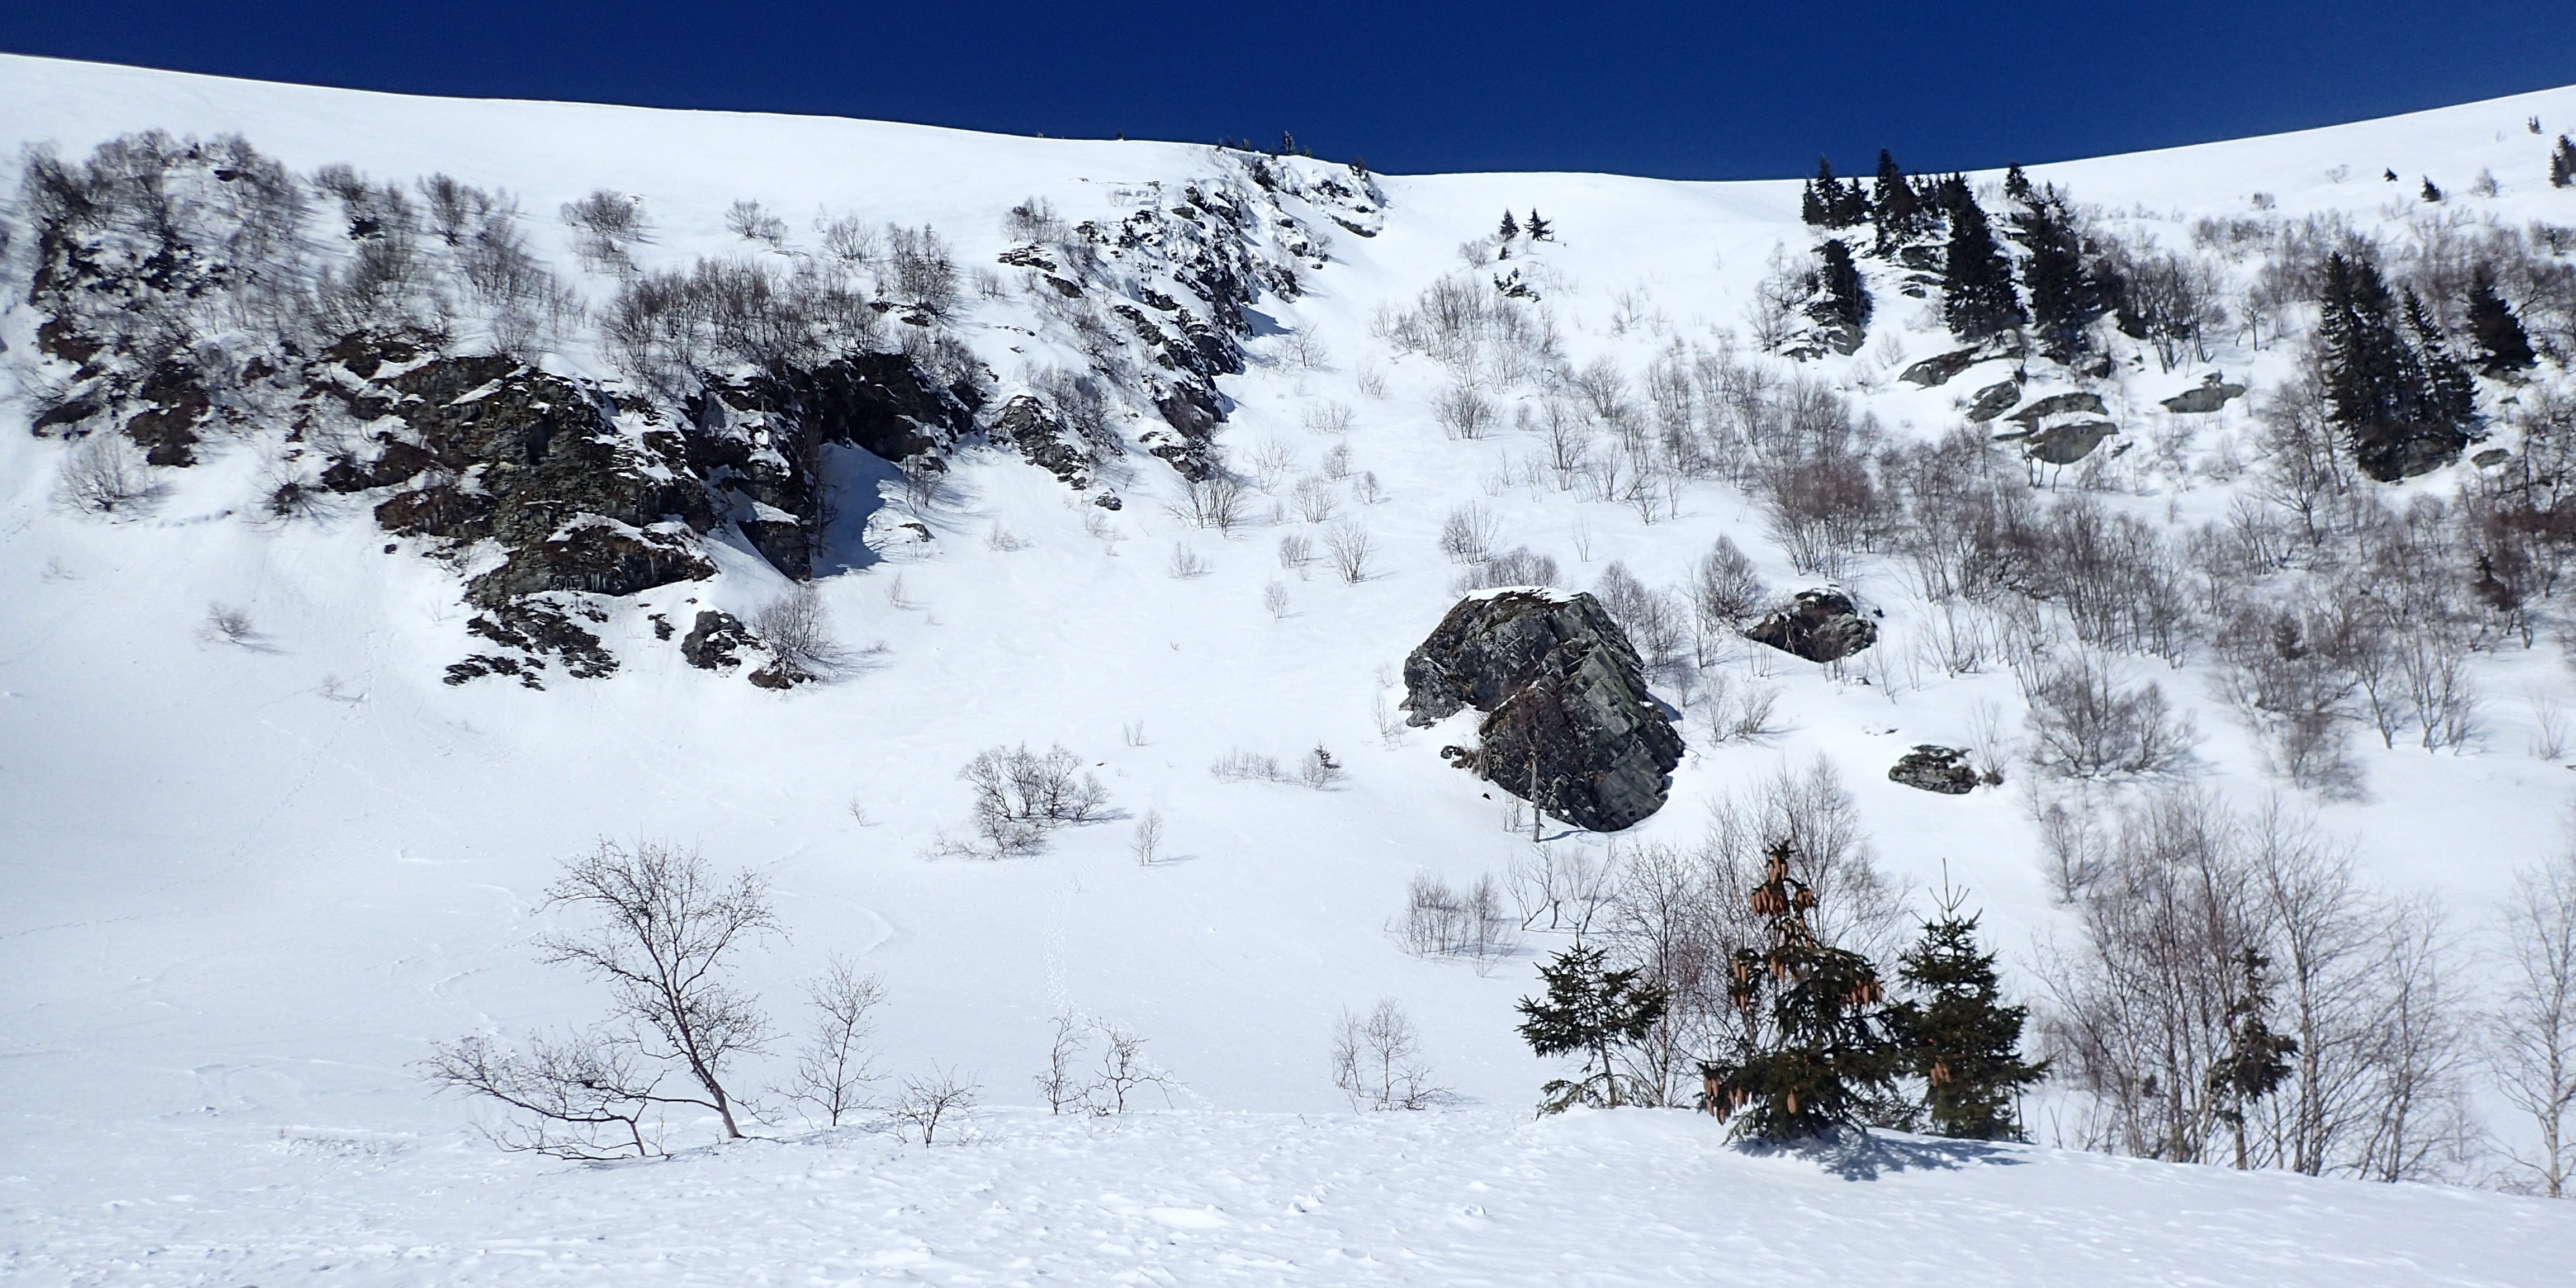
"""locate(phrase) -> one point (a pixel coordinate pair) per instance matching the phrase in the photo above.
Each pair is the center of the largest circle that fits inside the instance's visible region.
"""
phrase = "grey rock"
(2209, 397)
(2057, 405)
(2491, 458)
(1991, 401)
(1819, 625)
(1569, 725)
(1938, 369)
(1936, 769)
(2067, 443)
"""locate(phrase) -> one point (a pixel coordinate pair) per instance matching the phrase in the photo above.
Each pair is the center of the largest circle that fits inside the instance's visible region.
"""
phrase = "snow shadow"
(1865, 1155)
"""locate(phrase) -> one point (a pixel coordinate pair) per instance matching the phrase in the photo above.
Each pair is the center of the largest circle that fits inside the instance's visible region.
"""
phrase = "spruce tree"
(2257, 1060)
(1540, 229)
(1821, 200)
(2502, 343)
(1840, 302)
(2364, 364)
(1589, 1011)
(2017, 185)
(2562, 164)
(2066, 295)
(1977, 296)
(2431, 193)
(1816, 1055)
(2444, 396)
(1894, 204)
(1958, 1036)
(1510, 228)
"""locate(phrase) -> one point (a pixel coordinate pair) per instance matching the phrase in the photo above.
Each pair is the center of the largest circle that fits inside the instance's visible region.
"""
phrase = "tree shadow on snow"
(1864, 1155)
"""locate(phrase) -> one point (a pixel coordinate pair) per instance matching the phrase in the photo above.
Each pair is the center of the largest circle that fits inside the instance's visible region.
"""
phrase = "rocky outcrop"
(714, 641)
(1569, 725)
(1991, 401)
(1821, 625)
(2063, 404)
(2067, 443)
(1939, 369)
(2212, 394)
(577, 496)
(1028, 424)
(1937, 769)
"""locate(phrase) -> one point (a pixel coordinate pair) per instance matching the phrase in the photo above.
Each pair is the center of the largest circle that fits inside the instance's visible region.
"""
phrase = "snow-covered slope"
(247, 883)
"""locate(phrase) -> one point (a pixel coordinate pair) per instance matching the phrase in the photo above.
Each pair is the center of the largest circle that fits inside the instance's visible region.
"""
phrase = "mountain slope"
(253, 878)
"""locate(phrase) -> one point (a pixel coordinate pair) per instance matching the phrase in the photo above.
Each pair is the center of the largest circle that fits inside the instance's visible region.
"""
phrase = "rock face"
(1569, 725)
(1936, 769)
(1819, 625)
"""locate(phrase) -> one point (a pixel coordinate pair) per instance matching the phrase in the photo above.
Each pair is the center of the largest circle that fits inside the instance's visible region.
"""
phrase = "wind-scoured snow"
(244, 885)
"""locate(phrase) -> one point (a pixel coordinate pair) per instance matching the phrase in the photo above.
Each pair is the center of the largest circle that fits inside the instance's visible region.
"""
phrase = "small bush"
(1443, 921)
(2084, 724)
(1021, 796)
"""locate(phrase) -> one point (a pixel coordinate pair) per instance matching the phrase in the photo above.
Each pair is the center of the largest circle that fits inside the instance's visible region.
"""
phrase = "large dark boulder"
(1818, 625)
(1569, 725)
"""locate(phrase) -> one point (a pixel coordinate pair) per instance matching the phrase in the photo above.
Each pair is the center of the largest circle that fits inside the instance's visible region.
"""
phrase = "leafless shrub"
(1467, 535)
(230, 624)
(1147, 841)
(1327, 418)
(1218, 501)
(1736, 710)
(1019, 796)
(2549, 728)
(836, 1066)
(1442, 921)
(1033, 221)
(2084, 724)
(1564, 886)
(1295, 552)
(1651, 619)
(1124, 1072)
(848, 238)
(2534, 1050)
(1515, 567)
(1186, 562)
(103, 474)
(1724, 591)
(797, 629)
(750, 222)
(1378, 1062)
(1271, 462)
(1274, 600)
(1315, 500)
(1318, 769)
(919, 270)
(1350, 548)
(1062, 1084)
(1240, 766)
(923, 1103)
(1366, 490)
(1463, 412)
(605, 223)
(669, 929)
(2206, 932)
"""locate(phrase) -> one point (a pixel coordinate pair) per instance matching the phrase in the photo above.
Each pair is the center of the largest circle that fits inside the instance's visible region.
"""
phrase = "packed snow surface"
(244, 885)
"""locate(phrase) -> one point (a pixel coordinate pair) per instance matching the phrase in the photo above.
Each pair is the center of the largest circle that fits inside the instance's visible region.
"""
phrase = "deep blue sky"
(1710, 90)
